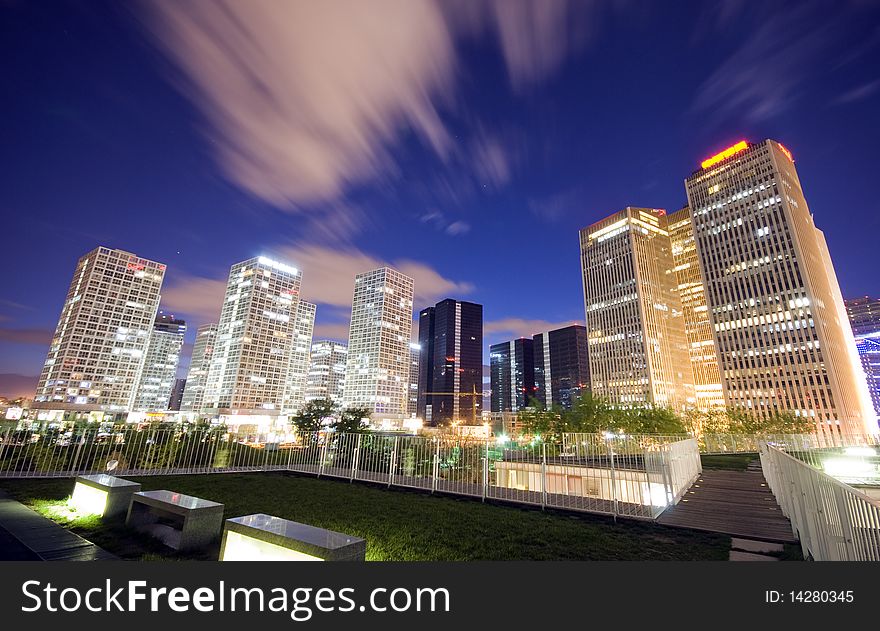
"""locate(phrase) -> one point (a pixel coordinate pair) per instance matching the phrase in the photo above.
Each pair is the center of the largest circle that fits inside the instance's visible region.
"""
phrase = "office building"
(451, 363)
(326, 378)
(297, 377)
(177, 395)
(159, 371)
(377, 370)
(562, 366)
(248, 374)
(782, 335)
(512, 374)
(864, 316)
(203, 352)
(412, 401)
(97, 351)
(697, 326)
(637, 348)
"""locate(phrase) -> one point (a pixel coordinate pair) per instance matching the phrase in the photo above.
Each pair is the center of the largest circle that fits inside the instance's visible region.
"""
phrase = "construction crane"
(474, 393)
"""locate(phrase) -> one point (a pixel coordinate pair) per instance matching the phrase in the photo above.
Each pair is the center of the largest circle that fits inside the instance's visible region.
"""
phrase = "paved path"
(30, 536)
(737, 503)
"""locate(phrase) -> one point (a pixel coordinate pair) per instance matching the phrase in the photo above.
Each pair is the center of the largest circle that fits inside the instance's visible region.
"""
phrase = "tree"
(351, 420)
(312, 416)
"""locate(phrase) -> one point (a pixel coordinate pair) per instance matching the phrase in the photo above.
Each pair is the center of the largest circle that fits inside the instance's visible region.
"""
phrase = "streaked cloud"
(858, 93)
(520, 327)
(337, 331)
(194, 296)
(303, 101)
(40, 337)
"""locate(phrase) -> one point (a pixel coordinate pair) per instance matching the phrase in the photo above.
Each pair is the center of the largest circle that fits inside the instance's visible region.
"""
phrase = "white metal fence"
(833, 521)
(634, 476)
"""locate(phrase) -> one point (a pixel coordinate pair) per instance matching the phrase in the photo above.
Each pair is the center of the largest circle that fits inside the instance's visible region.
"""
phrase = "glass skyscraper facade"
(512, 374)
(160, 364)
(864, 316)
(451, 362)
(97, 352)
(326, 378)
(562, 365)
(203, 352)
(780, 326)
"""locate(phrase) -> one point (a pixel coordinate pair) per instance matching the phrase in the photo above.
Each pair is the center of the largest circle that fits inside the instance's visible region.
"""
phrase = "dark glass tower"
(451, 362)
(562, 368)
(512, 374)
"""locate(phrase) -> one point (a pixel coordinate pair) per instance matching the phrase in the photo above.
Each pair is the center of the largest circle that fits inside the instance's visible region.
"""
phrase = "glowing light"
(859, 451)
(87, 500)
(844, 467)
(501, 439)
(785, 151)
(240, 547)
(742, 145)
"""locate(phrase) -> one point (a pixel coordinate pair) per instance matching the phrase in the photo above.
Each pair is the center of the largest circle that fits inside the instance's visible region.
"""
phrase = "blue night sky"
(463, 142)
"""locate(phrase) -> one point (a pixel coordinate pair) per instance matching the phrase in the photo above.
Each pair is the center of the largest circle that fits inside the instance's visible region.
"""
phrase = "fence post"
(485, 470)
(323, 456)
(610, 447)
(435, 472)
(357, 455)
(543, 475)
(393, 459)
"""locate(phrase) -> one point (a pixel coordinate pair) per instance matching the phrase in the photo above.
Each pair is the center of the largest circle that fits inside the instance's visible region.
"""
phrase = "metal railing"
(634, 476)
(751, 443)
(833, 521)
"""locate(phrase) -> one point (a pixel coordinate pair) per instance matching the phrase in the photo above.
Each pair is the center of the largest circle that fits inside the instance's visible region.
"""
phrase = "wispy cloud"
(556, 206)
(337, 331)
(328, 279)
(781, 50)
(520, 327)
(39, 337)
(858, 93)
(304, 101)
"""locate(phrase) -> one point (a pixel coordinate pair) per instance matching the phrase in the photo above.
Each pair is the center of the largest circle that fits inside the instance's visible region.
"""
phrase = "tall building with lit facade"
(512, 374)
(864, 316)
(697, 326)
(377, 371)
(412, 401)
(297, 377)
(248, 374)
(326, 377)
(638, 351)
(451, 362)
(781, 329)
(160, 364)
(97, 351)
(200, 363)
(562, 365)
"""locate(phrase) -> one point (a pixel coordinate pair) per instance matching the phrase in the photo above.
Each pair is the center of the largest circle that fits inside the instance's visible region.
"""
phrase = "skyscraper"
(248, 374)
(781, 330)
(635, 329)
(451, 362)
(562, 366)
(326, 378)
(97, 351)
(295, 394)
(177, 394)
(864, 316)
(697, 326)
(377, 369)
(512, 374)
(203, 352)
(412, 400)
(160, 364)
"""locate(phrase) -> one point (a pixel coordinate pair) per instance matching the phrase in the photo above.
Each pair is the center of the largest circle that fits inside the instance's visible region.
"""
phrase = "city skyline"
(529, 152)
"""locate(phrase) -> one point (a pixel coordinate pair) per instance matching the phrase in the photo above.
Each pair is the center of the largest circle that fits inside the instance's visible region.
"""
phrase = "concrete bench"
(262, 537)
(103, 494)
(180, 521)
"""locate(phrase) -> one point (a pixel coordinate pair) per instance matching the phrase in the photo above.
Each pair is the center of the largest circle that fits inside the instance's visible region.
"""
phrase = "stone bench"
(180, 521)
(262, 537)
(103, 494)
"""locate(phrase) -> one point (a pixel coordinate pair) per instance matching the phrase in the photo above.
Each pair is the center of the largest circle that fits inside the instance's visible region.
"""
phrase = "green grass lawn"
(398, 525)
(733, 462)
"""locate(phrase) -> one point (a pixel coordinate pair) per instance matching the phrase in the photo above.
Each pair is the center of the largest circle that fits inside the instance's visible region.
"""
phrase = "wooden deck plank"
(737, 503)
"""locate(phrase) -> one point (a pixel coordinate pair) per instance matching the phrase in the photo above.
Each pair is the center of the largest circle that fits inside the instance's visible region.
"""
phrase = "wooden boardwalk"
(737, 503)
